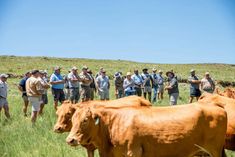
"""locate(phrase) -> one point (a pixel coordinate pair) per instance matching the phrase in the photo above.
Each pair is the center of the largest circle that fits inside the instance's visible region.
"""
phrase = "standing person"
(73, 82)
(103, 85)
(92, 85)
(45, 85)
(57, 82)
(85, 84)
(34, 91)
(22, 88)
(66, 86)
(118, 82)
(99, 73)
(160, 85)
(147, 79)
(207, 83)
(138, 81)
(129, 85)
(3, 95)
(154, 84)
(172, 88)
(194, 86)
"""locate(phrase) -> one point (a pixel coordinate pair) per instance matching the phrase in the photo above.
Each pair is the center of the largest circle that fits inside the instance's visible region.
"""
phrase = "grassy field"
(19, 139)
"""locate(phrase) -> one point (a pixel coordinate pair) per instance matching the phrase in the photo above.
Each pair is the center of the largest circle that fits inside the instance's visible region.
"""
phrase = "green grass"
(19, 139)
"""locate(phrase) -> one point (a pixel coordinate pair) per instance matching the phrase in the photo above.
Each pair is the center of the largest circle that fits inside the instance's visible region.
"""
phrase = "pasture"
(19, 139)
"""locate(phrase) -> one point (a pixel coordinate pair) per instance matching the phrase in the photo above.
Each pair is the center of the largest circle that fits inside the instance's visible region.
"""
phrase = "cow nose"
(71, 141)
(58, 129)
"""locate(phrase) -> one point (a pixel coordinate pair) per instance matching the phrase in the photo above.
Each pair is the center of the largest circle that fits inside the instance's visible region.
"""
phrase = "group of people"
(84, 85)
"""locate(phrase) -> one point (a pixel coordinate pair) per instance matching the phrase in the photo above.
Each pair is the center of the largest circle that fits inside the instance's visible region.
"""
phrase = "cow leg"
(90, 153)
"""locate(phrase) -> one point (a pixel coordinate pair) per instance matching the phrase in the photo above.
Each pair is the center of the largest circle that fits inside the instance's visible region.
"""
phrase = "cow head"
(85, 127)
(64, 117)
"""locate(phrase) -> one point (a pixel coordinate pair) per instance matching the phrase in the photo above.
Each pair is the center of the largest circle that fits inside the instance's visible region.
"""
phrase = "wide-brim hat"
(170, 72)
(145, 69)
(84, 68)
(57, 68)
(192, 70)
(207, 73)
(117, 74)
(128, 74)
(154, 69)
(4, 76)
(74, 68)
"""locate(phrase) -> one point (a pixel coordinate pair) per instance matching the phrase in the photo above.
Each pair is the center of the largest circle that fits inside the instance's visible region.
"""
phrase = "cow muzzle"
(72, 141)
(58, 129)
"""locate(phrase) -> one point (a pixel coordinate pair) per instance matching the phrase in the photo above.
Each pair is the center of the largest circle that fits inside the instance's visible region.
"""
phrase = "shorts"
(58, 94)
(35, 102)
(160, 88)
(138, 91)
(195, 92)
(173, 98)
(147, 89)
(74, 94)
(104, 95)
(3, 102)
(44, 99)
(86, 92)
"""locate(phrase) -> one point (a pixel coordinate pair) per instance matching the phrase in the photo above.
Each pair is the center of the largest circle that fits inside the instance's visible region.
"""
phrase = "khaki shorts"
(35, 102)
(173, 98)
(85, 92)
(147, 89)
(160, 89)
(104, 95)
(3, 102)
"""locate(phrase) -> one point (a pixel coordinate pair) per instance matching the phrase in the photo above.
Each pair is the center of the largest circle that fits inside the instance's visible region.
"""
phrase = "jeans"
(155, 90)
(127, 93)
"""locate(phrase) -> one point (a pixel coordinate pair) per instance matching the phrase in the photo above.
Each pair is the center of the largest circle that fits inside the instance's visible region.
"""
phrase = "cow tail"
(204, 150)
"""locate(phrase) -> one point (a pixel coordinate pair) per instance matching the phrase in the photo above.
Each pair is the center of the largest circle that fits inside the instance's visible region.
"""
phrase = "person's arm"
(53, 80)
(172, 84)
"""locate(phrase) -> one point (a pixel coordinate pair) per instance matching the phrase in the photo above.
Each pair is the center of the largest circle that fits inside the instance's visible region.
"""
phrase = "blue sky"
(157, 31)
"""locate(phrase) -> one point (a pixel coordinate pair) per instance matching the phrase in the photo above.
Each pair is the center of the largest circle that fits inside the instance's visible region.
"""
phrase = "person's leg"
(72, 95)
(42, 104)
(6, 110)
(88, 93)
(102, 95)
(149, 96)
(55, 94)
(191, 99)
(26, 104)
(77, 96)
(92, 93)
(107, 95)
(35, 102)
(161, 95)
(154, 94)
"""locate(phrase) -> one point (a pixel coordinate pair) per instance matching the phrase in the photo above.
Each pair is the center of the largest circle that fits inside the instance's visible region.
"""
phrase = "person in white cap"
(194, 86)
(57, 82)
(73, 82)
(103, 85)
(207, 83)
(3, 95)
(160, 85)
(129, 85)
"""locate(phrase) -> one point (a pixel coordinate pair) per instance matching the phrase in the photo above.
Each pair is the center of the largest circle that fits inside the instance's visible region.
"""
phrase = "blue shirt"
(57, 77)
(137, 80)
(23, 83)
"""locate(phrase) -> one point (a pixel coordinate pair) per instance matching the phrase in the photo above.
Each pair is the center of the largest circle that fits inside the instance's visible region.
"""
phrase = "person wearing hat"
(138, 82)
(207, 83)
(22, 89)
(129, 85)
(103, 85)
(66, 85)
(34, 90)
(57, 81)
(73, 84)
(160, 85)
(3, 95)
(44, 81)
(99, 73)
(147, 80)
(86, 81)
(118, 83)
(92, 85)
(154, 84)
(172, 88)
(194, 86)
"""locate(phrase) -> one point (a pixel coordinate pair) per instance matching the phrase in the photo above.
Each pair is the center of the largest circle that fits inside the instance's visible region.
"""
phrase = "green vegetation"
(19, 139)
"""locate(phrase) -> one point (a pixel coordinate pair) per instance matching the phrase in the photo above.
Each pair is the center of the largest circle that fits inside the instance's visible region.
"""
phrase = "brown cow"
(230, 109)
(228, 92)
(178, 131)
(66, 111)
